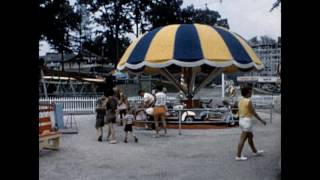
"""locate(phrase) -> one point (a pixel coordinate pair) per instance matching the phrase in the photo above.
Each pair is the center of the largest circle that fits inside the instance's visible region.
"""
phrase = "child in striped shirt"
(128, 121)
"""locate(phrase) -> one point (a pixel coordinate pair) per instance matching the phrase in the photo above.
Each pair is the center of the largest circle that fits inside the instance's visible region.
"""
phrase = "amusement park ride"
(55, 82)
(196, 53)
(190, 56)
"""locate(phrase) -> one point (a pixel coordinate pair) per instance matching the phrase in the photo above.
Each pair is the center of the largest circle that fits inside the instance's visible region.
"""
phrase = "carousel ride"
(192, 53)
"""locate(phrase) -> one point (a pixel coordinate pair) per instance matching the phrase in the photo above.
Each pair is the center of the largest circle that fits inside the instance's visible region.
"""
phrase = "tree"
(188, 14)
(164, 12)
(275, 4)
(57, 20)
(202, 16)
(115, 20)
(139, 8)
(206, 16)
(84, 31)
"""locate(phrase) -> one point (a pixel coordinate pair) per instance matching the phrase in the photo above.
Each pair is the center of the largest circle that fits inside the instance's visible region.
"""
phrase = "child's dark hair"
(140, 91)
(158, 88)
(129, 111)
(109, 92)
(245, 90)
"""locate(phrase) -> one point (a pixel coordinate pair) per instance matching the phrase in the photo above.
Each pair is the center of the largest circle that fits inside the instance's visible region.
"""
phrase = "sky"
(248, 18)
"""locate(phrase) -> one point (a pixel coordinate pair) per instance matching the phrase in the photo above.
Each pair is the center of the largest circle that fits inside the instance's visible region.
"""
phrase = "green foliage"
(117, 19)
(165, 12)
(57, 19)
(162, 13)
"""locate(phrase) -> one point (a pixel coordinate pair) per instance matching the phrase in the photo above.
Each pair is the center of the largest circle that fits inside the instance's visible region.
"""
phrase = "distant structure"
(53, 60)
(267, 80)
(223, 23)
(83, 74)
(269, 51)
(86, 62)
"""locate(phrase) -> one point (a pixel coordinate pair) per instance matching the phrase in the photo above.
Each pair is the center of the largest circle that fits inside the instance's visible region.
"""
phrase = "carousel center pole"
(222, 85)
(213, 74)
(176, 83)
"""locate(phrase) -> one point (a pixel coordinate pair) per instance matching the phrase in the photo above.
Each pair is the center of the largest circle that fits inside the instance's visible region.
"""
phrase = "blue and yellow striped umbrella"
(189, 45)
(189, 50)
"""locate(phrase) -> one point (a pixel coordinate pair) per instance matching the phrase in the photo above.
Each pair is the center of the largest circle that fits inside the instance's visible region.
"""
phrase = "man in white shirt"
(161, 99)
(160, 110)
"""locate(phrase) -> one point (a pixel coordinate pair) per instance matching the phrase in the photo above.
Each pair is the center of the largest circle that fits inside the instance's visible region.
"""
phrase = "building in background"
(53, 60)
(86, 62)
(269, 51)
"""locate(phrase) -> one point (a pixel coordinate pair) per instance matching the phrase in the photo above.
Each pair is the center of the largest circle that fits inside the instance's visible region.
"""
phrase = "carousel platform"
(189, 125)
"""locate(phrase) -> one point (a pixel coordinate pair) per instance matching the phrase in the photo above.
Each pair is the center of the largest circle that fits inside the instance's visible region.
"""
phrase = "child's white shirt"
(129, 118)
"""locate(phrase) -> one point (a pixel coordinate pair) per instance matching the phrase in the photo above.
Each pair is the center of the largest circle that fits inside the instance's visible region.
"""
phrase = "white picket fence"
(73, 104)
(82, 105)
(88, 104)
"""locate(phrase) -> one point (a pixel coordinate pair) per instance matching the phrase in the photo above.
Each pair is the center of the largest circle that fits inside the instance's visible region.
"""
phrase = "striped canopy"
(189, 45)
(189, 50)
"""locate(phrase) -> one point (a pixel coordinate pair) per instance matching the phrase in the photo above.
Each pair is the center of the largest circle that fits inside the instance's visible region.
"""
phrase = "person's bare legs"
(164, 123)
(113, 135)
(109, 132)
(126, 137)
(100, 133)
(145, 120)
(251, 143)
(243, 138)
(134, 136)
(157, 126)
(156, 123)
(121, 117)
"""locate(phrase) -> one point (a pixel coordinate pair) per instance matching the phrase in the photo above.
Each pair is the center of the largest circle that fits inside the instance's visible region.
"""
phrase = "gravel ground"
(194, 155)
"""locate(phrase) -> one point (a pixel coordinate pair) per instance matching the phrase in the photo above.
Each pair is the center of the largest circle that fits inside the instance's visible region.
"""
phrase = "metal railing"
(88, 104)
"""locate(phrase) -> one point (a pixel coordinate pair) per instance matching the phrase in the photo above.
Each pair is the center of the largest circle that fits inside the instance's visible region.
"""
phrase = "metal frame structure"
(190, 75)
(69, 83)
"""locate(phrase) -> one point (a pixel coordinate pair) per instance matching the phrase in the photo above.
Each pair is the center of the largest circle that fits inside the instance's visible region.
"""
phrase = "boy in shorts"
(128, 121)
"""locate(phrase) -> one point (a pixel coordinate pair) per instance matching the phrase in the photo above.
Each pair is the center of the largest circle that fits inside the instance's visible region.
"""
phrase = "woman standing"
(246, 113)
(101, 112)
(123, 104)
(111, 107)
